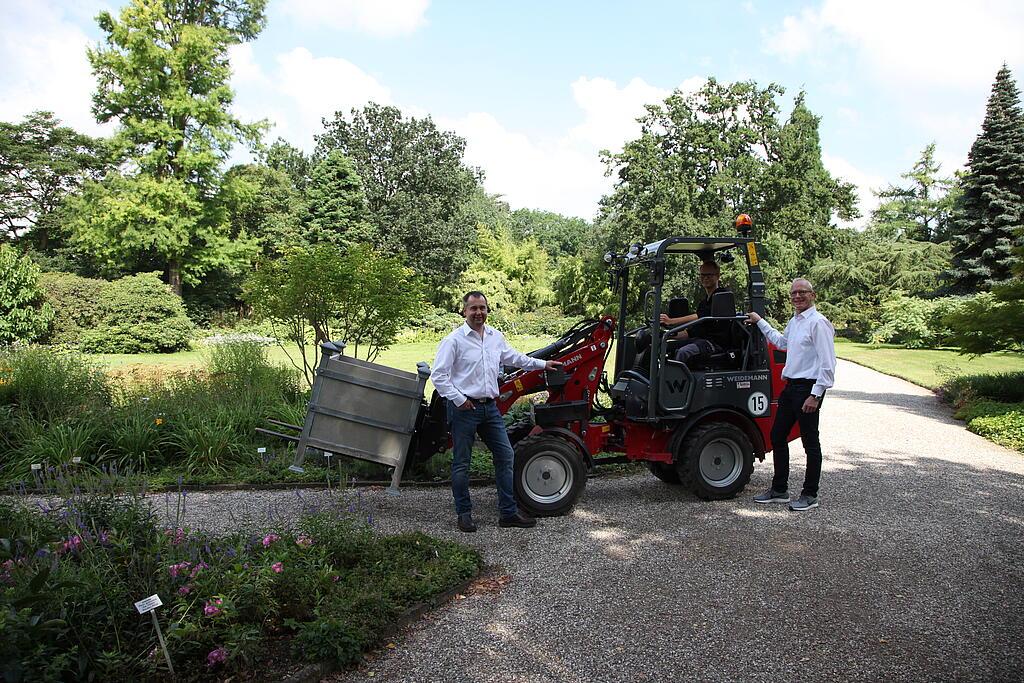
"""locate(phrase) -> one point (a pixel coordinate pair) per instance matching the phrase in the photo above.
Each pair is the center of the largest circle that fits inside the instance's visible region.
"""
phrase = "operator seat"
(677, 307)
(723, 305)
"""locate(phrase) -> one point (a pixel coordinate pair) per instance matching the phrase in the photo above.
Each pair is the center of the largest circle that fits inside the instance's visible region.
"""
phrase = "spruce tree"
(989, 214)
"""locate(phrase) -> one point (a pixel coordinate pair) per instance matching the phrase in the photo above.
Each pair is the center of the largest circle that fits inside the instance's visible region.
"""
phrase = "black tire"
(715, 461)
(665, 471)
(549, 475)
(519, 430)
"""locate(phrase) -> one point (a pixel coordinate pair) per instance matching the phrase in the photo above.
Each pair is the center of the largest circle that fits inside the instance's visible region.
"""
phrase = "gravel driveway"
(911, 570)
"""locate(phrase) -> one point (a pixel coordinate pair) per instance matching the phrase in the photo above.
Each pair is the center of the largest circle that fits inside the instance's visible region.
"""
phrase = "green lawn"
(401, 356)
(925, 367)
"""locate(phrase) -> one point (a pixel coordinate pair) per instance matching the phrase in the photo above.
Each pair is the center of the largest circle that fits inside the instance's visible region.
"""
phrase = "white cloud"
(377, 17)
(45, 65)
(300, 90)
(866, 184)
(562, 174)
(911, 41)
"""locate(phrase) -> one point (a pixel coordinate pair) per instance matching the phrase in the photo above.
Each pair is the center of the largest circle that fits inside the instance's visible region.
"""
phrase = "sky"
(538, 88)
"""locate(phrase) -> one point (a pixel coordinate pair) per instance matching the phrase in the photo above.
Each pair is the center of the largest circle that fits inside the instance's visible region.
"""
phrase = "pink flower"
(180, 568)
(304, 541)
(198, 568)
(278, 567)
(216, 657)
(177, 535)
(73, 544)
(184, 590)
(270, 538)
(335, 578)
(212, 607)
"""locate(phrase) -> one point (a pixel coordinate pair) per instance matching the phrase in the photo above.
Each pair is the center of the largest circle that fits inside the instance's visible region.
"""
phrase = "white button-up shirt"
(467, 365)
(809, 342)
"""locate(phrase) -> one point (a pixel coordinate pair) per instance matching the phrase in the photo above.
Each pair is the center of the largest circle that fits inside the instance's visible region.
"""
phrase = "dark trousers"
(790, 411)
(696, 348)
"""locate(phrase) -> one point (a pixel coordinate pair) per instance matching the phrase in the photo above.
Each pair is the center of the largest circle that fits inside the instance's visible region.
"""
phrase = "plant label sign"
(36, 467)
(261, 449)
(76, 460)
(149, 604)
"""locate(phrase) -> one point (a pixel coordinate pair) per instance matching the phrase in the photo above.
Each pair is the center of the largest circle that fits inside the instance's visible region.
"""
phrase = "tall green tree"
(41, 163)
(921, 209)
(25, 315)
(989, 214)
(559, 235)
(263, 203)
(515, 274)
(415, 182)
(163, 75)
(337, 204)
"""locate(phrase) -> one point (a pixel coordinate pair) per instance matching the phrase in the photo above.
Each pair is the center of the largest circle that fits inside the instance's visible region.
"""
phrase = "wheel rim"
(546, 478)
(721, 463)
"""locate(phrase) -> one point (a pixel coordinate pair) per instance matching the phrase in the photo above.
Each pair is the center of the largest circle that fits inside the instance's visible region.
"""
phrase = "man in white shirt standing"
(809, 342)
(466, 374)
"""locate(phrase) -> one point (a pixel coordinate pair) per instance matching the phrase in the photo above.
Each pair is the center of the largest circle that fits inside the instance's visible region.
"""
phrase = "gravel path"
(911, 570)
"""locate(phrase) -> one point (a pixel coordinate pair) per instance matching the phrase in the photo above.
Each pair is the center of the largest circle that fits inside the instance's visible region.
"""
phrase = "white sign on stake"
(36, 466)
(75, 460)
(261, 449)
(149, 604)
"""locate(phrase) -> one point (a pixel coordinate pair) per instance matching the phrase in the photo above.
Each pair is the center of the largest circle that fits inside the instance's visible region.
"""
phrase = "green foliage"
(139, 314)
(920, 211)
(854, 283)
(988, 216)
(337, 205)
(558, 235)
(515, 276)
(362, 296)
(582, 287)
(76, 304)
(163, 75)
(547, 321)
(332, 584)
(1004, 387)
(50, 386)
(25, 315)
(991, 321)
(263, 203)
(416, 185)
(41, 163)
(913, 322)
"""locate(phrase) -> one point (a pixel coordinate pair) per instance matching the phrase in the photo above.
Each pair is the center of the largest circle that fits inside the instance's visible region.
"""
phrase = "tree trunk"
(174, 276)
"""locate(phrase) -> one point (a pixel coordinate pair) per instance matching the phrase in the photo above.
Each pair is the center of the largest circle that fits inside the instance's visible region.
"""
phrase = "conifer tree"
(989, 214)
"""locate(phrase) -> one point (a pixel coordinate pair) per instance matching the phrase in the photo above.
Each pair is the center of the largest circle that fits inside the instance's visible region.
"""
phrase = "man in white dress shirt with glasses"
(809, 342)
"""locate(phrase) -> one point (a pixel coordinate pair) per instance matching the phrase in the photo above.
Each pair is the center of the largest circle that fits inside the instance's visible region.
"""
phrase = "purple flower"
(184, 590)
(180, 568)
(216, 657)
(303, 541)
(270, 538)
(212, 607)
(278, 567)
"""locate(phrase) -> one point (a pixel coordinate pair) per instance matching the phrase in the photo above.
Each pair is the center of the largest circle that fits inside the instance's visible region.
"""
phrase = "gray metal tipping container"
(362, 410)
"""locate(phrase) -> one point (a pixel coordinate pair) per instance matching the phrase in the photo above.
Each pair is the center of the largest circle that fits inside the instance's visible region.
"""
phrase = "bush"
(1002, 423)
(228, 599)
(76, 303)
(139, 314)
(913, 322)
(1005, 387)
(25, 315)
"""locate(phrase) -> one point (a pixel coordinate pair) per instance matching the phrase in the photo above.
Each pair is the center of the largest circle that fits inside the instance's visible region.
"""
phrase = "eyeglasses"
(707, 275)
(801, 292)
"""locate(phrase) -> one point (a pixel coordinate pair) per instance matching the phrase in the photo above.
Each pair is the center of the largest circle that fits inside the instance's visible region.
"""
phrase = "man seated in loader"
(709, 337)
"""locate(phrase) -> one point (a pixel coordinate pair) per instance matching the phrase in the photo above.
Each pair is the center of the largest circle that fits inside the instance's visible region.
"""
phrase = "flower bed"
(325, 590)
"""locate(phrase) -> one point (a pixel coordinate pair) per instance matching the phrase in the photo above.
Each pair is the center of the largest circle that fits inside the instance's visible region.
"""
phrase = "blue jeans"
(486, 421)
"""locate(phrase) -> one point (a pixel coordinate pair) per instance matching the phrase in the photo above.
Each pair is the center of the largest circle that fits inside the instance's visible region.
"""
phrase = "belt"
(799, 380)
(486, 399)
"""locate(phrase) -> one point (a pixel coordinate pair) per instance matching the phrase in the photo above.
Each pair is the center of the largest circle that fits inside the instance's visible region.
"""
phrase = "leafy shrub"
(1005, 387)
(433, 325)
(76, 304)
(1002, 423)
(913, 322)
(332, 584)
(545, 321)
(139, 314)
(25, 315)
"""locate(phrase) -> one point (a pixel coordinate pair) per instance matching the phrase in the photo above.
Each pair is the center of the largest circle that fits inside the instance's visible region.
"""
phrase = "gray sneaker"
(804, 503)
(771, 496)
